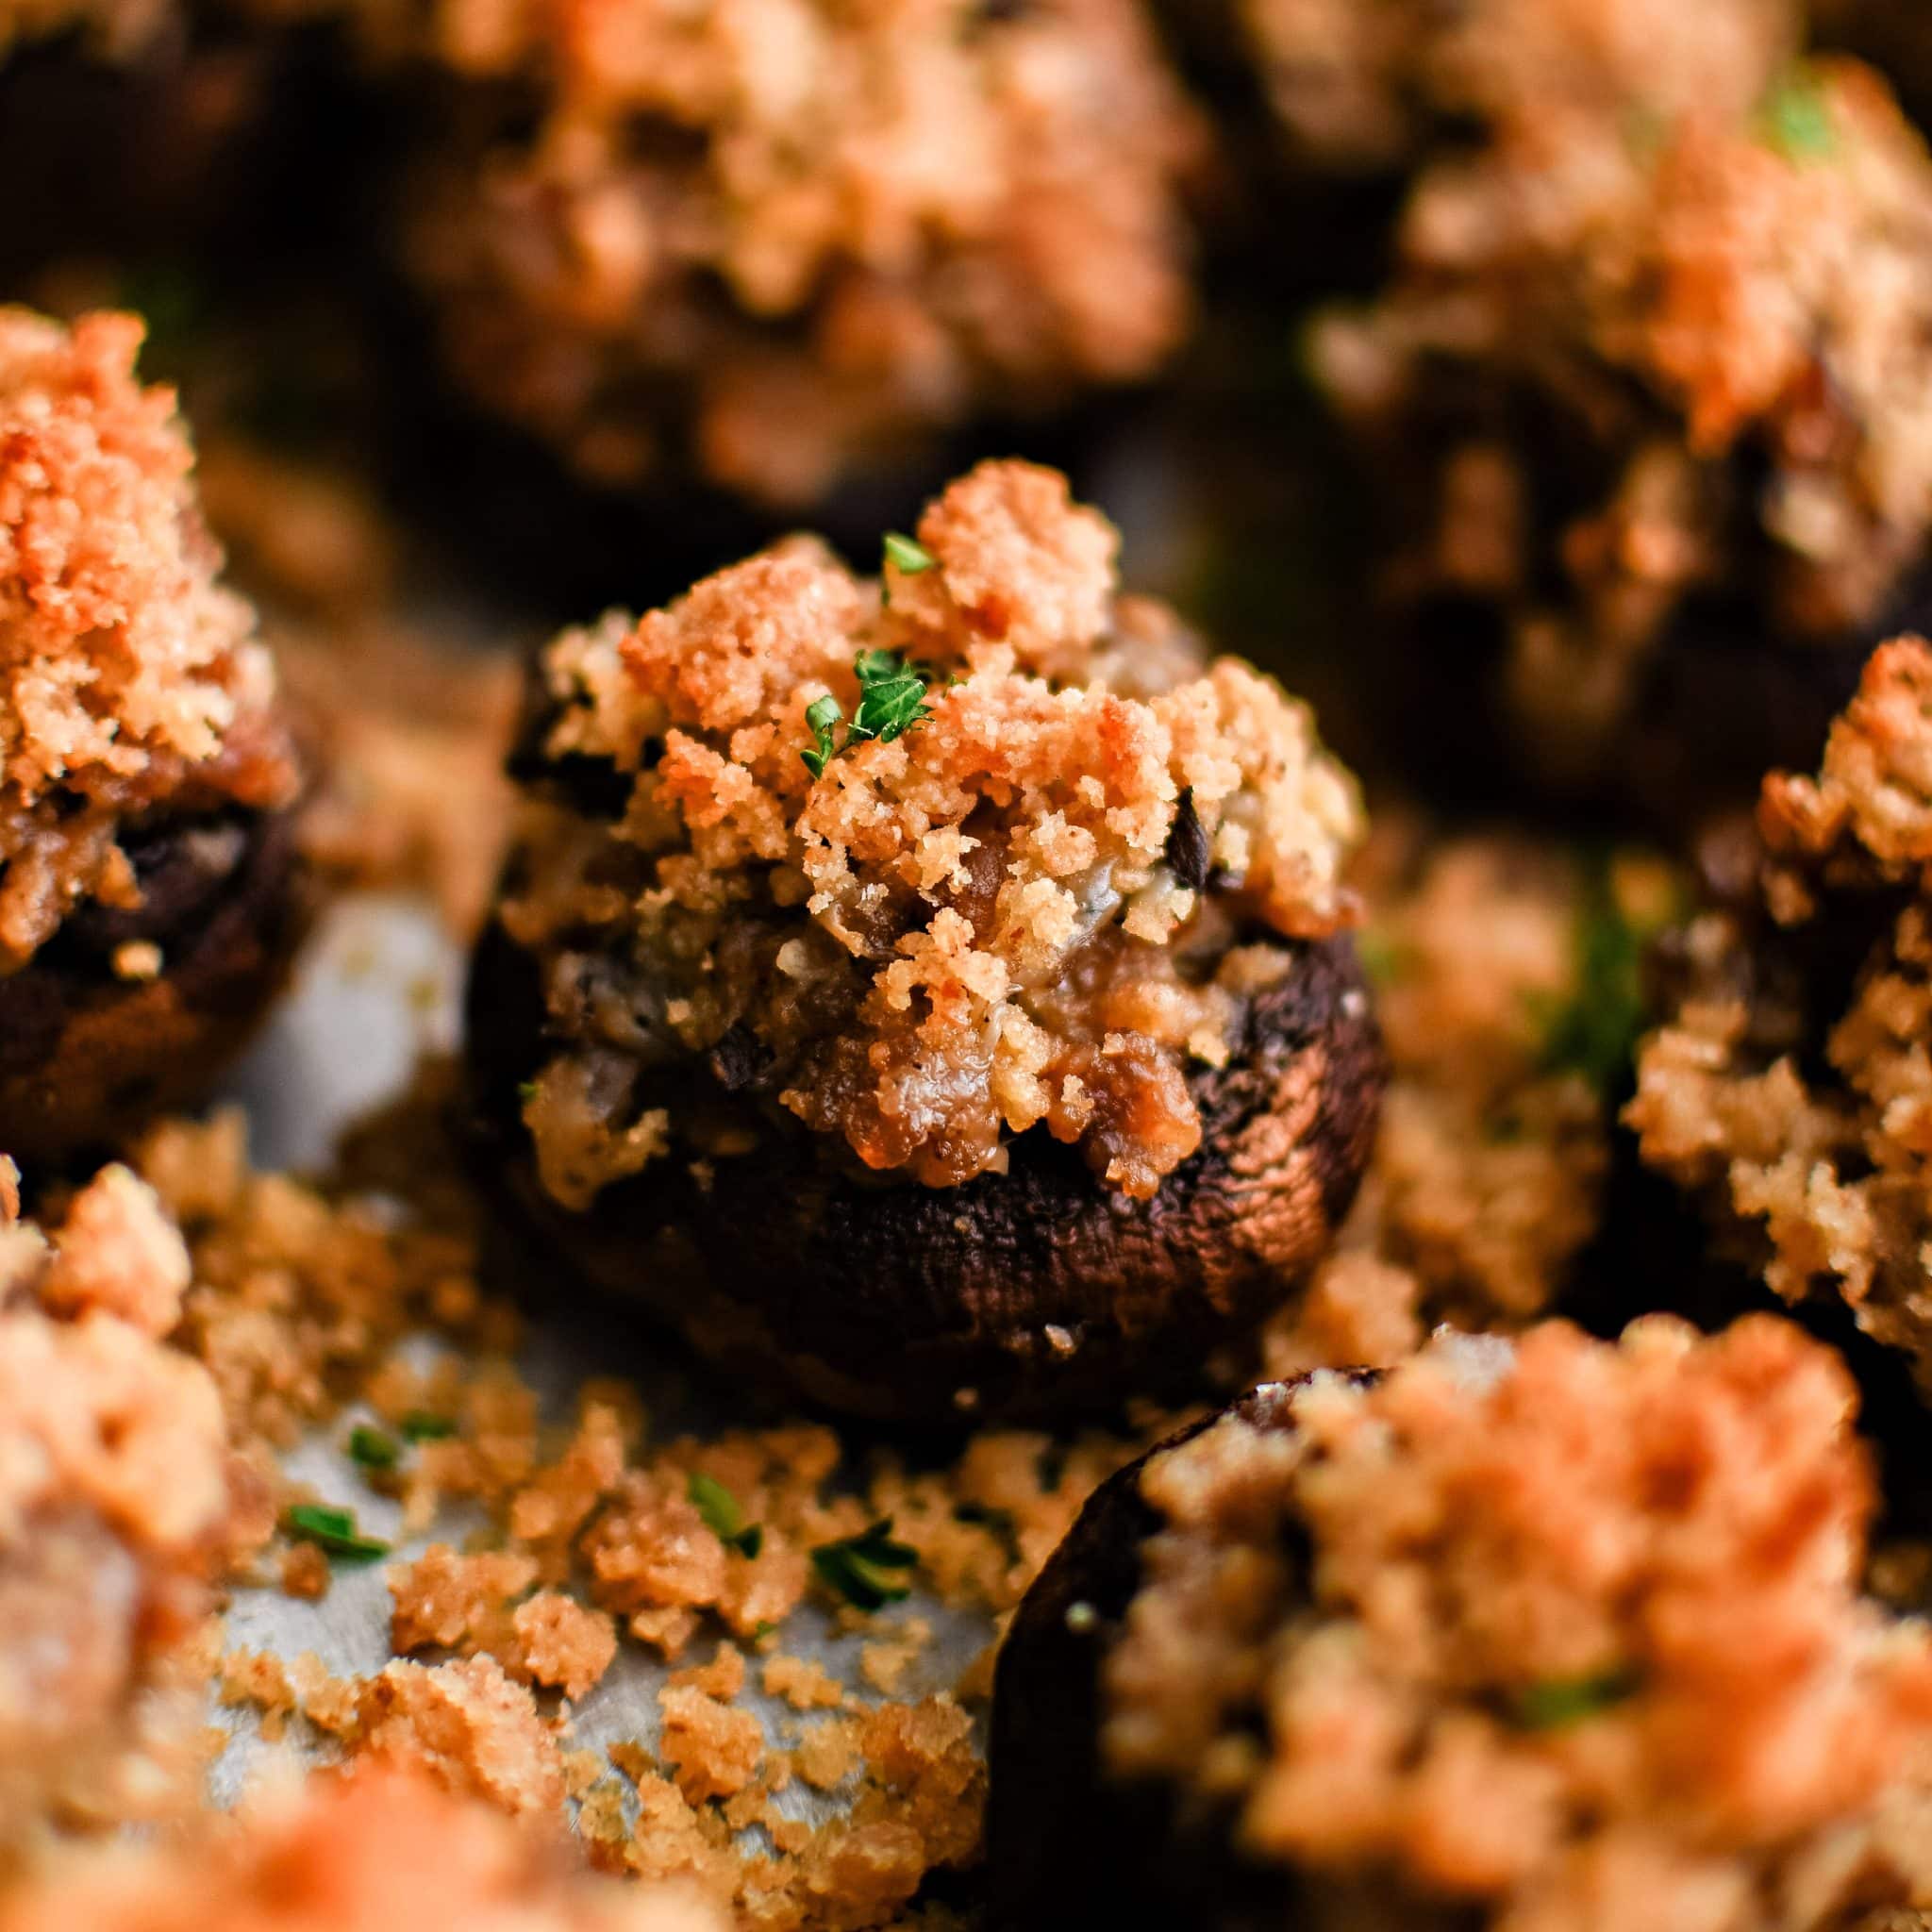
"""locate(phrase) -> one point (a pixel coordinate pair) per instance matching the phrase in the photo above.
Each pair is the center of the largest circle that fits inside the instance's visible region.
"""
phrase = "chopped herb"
(425, 1426)
(333, 1530)
(869, 1570)
(761, 1629)
(1082, 1618)
(908, 559)
(372, 1448)
(723, 1517)
(1795, 118)
(1558, 1703)
(1595, 1031)
(1384, 959)
(891, 700)
(527, 1091)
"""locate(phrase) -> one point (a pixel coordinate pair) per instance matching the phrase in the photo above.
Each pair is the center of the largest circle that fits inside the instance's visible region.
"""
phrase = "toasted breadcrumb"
(1000, 873)
(1588, 1631)
(357, 1854)
(1668, 313)
(1788, 1099)
(130, 677)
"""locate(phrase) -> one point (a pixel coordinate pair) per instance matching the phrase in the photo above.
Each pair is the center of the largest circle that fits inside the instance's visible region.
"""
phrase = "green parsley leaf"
(1594, 1032)
(1558, 1703)
(1795, 118)
(908, 559)
(723, 1517)
(1384, 959)
(333, 1530)
(372, 1448)
(527, 1091)
(891, 700)
(425, 1426)
(866, 1569)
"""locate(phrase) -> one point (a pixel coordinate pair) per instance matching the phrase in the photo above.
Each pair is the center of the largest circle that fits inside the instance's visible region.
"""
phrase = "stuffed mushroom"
(936, 991)
(1643, 397)
(1560, 1635)
(150, 890)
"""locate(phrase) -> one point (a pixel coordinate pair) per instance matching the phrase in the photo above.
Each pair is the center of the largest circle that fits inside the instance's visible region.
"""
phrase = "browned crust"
(1037, 1292)
(85, 1056)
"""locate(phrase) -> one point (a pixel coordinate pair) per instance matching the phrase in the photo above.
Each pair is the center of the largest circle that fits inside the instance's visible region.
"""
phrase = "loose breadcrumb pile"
(1580, 1643)
(119, 1505)
(781, 238)
(983, 924)
(129, 678)
(1649, 366)
(1509, 998)
(1374, 83)
(1791, 1084)
(368, 1853)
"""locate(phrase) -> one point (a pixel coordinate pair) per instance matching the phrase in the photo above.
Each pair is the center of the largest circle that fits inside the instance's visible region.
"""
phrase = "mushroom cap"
(86, 1055)
(1035, 1292)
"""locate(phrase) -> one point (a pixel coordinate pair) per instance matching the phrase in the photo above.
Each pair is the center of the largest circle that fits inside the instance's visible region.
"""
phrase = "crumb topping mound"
(116, 1505)
(349, 1855)
(1791, 1085)
(1034, 903)
(1365, 83)
(1600, 337)
(792, 232)
(128, 678)
(1579, 1640)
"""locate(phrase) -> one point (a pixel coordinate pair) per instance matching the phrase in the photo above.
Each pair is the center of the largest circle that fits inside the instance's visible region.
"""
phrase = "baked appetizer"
(117, 1508)
(1643, 400)
(1785, 1090)
(150, 895)
(372, 1848)
(769, 242)
(1537, 1637)
(935, 991)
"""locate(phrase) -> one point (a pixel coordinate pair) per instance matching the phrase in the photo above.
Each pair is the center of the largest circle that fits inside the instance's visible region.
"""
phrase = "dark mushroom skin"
(86, 1055)
(1032, 1294)
(1063, 1838)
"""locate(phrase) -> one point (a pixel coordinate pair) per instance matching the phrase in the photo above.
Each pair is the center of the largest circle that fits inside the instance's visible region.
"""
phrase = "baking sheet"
(379, 987)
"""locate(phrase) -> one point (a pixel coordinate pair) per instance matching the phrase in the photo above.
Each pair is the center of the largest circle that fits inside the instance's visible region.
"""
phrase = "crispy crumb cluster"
(1650, 369)
(1577, 1642)
(118, 1506)
(1789, 1085)
(360, 1854)
(790, 235)
(1508, 1000)
(130, 681)
(1032, 907)
(1372, 83)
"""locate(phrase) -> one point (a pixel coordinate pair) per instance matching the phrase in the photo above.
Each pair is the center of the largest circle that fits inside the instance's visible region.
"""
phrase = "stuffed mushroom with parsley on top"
(935, 992)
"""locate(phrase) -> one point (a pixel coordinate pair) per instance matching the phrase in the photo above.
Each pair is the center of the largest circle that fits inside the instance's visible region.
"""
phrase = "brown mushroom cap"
(1058, 1835)
(1037, 1291)
(86, 1053)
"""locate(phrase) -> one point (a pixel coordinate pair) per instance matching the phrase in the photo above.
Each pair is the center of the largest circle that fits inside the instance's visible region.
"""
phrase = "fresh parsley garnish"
(1595, 1031)
(891, 700)
(372, 1448)
(723, 1517)
(869, 1570)
(332, 1530)
(1557, 1703)
(1795, 118)
(908, 559)
(425, 1426)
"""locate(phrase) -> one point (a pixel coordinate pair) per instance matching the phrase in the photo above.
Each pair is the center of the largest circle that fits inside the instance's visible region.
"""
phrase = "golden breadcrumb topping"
(1798, 1108)
(1668, 310)
(129, 678)
(1369, 83)
(1579, 1637)
(117, 1500)
(366, 1852)
(782, 235)
(1034, 904)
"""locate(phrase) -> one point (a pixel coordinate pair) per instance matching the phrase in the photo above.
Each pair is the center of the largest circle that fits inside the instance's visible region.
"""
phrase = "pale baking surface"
(379, 986)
